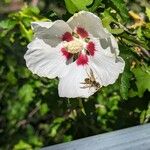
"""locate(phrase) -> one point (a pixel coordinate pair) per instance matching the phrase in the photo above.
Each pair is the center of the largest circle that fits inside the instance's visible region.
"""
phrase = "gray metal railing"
(134, 138)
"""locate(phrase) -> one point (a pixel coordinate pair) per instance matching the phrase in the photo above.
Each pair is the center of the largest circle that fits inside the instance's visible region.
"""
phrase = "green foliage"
(77, 5)
(31, 113)
(7, 24)
(125, 83)
(148, 12)
(109, 18)
(22, 145)
(120, 5)
(142, 75)
(145, 115)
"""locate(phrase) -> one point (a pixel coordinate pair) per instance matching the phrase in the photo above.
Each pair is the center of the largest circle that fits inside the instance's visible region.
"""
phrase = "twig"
(26, 121)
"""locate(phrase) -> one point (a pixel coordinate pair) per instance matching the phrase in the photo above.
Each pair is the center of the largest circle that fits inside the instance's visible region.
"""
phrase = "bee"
(90, 81)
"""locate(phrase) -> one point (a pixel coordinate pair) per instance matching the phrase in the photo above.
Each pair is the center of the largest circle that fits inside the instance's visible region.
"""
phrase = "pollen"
(74, 46)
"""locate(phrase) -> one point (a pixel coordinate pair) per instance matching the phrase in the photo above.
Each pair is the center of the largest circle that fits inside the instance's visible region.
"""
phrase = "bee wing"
(83, 83)
(84, 87)
(92, 75)
(88, 74)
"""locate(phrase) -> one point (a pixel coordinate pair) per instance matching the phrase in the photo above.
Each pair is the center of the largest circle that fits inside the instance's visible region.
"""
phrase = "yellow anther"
(74, 46)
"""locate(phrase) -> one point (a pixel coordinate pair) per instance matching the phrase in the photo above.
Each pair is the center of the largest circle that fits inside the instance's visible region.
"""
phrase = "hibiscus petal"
(88, 21)
(36, 26)
(51, 33)
(106, 46)
(112, 43)
(72, 84)
(106, 67)
(44, 60)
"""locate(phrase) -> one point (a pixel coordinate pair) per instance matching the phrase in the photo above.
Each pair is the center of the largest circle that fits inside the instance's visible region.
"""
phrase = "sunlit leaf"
(142, 75)
(7, 24)
(77, 5)
(22, 145)
(148, 12)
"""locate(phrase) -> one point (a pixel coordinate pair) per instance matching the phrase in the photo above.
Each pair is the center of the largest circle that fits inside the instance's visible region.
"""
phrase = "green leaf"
(43, 109)
(26, 93)
(30, 10)
(120, 5)
(108, 19)
(139, 33)
(11, 77)
(77, 5)
(7, 24)
(70, 6)
(22, 146)
(142, 75)
(55, 126)
(148, 12)
(146, 31)
(125, 83)
(95, 5)
(26, 33)
(145, 115)
(25, 96)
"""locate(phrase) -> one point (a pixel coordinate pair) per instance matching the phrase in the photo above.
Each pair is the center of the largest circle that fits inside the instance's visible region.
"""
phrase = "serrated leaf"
(77, 5)
(125, 83)
(120, 5)
(142, 75)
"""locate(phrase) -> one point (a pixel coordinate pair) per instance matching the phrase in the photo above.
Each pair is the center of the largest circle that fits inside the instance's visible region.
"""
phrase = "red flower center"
(82, 32)
(78, 45)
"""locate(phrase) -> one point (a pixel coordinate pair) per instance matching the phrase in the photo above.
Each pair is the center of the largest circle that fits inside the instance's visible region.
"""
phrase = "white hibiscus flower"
(81, 52)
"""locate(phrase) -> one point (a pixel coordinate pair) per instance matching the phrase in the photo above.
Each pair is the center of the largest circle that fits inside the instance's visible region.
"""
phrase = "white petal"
(106, 67)
(71, 85)
(90, 22)
(105, 46)
(39, 25)
(51, 34)
(44, 60)
(112, 43)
